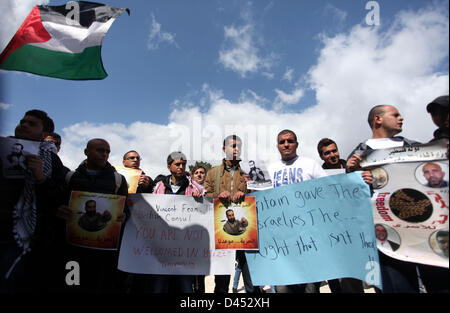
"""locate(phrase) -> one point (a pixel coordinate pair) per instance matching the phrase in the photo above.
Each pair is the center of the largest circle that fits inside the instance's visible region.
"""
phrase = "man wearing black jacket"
(27, 210)
(98, 268)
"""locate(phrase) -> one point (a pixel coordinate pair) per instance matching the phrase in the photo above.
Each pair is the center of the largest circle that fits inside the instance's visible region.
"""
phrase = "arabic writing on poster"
(426, 152)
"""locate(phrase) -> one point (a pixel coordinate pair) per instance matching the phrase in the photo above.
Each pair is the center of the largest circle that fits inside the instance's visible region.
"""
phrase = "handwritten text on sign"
(315, 230)
(172, 234)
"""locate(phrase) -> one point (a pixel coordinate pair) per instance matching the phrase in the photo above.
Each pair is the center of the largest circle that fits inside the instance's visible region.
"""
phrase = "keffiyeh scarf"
(25, 211)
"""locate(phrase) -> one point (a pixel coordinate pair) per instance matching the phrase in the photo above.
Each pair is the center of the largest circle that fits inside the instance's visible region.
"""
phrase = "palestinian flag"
(61, 41)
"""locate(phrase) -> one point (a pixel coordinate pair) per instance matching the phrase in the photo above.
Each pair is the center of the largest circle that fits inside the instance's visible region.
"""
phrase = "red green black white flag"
(61, 41)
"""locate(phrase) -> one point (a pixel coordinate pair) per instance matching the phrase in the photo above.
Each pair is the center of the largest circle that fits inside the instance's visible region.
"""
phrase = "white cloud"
(4, 106)
(241, 50)
(354, 71)
(288, 75)
(12, 15)
(158, 37)
(284, 98)
(366, 67)
(337, 14)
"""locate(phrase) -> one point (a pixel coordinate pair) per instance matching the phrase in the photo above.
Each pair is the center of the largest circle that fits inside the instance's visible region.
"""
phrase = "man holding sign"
(386, 122)
(95, 174)
(289, 170)
(25, 221)
(227, 182)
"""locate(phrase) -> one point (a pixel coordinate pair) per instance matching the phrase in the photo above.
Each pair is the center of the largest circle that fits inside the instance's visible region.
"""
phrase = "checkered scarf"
(25, 212)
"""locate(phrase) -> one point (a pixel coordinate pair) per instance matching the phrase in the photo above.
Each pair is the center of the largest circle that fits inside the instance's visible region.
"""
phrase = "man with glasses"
(329, 153)
(132, 159)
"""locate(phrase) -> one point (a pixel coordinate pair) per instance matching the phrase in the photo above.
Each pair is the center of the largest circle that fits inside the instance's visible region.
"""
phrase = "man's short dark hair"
(125, 155)
(441, 101)
(226, 212)
(324, 142)
(89, 201)
(287, 131)
(442, 233)
(376, 110)
(47, 122)
(54, 135)
(231, 137)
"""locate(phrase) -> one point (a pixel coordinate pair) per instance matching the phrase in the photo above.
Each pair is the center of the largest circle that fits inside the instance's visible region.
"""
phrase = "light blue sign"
(316, 230)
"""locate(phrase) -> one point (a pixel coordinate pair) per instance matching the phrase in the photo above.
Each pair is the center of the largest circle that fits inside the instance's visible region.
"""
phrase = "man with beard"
(234, 226)
(16, 158)
(91, 220)
(434, 175)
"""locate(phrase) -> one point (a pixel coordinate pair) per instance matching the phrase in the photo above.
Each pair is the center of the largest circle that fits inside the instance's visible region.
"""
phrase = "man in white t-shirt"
(292, 168)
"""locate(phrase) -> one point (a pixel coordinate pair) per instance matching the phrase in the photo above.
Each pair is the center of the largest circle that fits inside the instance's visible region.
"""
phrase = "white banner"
(426, 152)
(410, 209)
(172, 234)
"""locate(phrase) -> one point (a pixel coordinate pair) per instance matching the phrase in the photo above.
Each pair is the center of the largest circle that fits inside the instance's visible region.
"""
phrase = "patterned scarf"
(25, 212)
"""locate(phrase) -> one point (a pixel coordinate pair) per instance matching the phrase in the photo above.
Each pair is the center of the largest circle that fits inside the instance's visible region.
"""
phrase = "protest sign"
(315, 230)
(410, 203)
(94, 220)
(131, 175)
(257, 175)
(172, 234)
(13, 154)
(236, 225)
(337, 171)
(426, 152)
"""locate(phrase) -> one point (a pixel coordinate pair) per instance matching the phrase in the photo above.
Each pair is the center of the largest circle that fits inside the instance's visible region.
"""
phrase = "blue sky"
(183, 74)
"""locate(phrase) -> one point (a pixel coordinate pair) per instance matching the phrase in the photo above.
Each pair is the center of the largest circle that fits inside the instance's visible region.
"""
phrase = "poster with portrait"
(13, 154)
(95, 221)
(410, 203)
(236, 225)
(258, 178)
(131, 175)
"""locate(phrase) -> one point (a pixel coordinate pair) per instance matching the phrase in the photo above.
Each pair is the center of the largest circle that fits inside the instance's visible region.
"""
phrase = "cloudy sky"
(185, 74)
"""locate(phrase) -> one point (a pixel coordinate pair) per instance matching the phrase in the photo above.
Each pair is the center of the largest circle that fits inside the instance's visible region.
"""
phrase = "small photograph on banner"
(387, 237)
(439, 242)
(94, 220)
(433, 174)
(236, 225)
